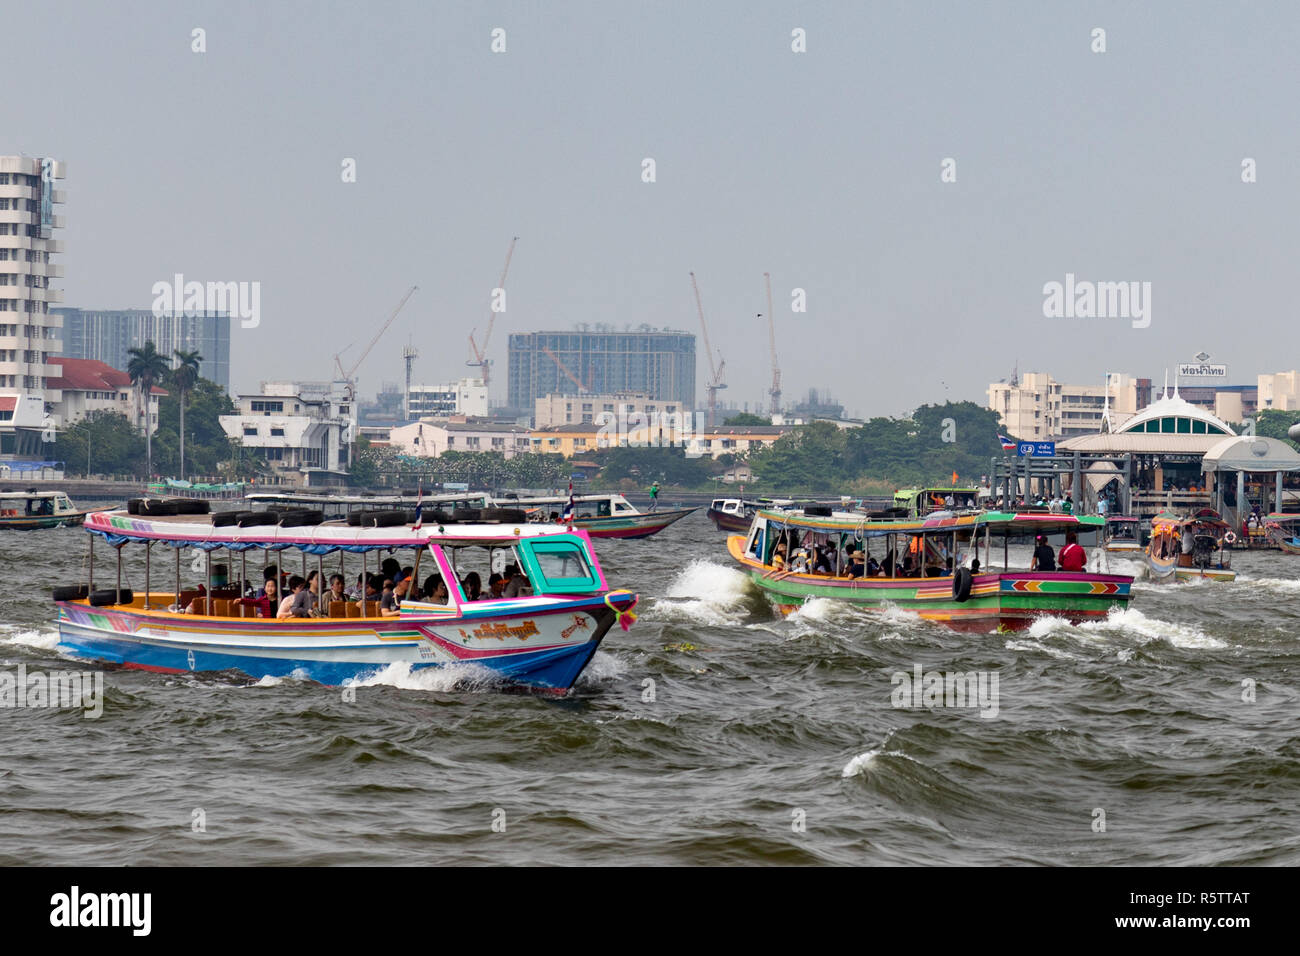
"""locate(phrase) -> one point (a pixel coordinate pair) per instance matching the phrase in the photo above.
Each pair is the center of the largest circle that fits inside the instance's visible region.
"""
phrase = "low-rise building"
(87, 385)
(552, 410)
(305, 430)
(430, 438)
(733, 439)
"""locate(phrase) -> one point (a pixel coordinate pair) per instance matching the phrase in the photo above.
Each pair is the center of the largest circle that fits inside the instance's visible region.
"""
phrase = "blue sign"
(1039, 449)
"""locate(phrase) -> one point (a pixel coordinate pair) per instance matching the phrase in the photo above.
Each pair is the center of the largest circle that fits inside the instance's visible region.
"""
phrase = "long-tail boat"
(1283, 529)
(1123, 533)
(600, 515)
(926, 565)
(1190, 547)
(31, 510)
(541, 638)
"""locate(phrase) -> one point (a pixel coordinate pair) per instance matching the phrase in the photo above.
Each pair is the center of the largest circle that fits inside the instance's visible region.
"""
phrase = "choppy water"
(768, 740)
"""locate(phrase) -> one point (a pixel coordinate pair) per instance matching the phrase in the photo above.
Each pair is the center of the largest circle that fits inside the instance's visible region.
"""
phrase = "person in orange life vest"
(1072, 557)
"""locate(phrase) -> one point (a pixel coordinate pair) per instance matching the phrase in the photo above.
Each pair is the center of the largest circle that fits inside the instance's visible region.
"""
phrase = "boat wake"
(449, 678)
(1131, 622)
(41, 640)
(705, 593)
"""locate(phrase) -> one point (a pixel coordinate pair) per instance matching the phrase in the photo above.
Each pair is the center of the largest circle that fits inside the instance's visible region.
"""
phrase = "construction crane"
(775, 390)
(349, 377)
(582, 389)
(481, 361)
(409, 355)
(716, 381)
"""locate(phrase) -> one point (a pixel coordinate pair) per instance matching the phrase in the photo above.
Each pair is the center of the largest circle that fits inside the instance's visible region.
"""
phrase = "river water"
(714, 732)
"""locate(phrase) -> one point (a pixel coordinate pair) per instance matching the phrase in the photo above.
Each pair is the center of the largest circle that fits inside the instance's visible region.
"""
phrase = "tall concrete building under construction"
(599, 360)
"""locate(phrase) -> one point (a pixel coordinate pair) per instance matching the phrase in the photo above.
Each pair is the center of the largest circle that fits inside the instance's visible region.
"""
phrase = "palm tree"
(185, 376)
(146, 366)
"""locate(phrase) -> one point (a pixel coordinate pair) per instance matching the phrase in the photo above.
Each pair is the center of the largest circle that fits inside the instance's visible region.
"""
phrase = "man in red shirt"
(1072, 557)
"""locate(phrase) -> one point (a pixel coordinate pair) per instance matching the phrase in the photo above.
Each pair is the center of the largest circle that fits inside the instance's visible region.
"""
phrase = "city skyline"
(1159, 161)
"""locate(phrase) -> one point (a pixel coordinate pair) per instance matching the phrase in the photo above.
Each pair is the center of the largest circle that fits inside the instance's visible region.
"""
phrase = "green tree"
(146, 367)
(745, 418)
(103, 442)
(183, 378)
(207, 448)
(1273, 423)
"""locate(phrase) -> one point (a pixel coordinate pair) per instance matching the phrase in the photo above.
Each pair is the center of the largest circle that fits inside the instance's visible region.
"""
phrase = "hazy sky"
(822, 168)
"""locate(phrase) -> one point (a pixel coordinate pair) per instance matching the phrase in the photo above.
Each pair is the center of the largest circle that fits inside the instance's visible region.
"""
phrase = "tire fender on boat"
(961, 582)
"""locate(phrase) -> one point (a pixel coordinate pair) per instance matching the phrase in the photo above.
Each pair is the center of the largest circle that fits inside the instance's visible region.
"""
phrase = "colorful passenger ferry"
(30, 510)
(925, 565)
(1190, 547)
(541, 639)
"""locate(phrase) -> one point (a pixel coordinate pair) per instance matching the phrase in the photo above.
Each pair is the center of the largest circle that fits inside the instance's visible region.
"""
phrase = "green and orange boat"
(940, 566)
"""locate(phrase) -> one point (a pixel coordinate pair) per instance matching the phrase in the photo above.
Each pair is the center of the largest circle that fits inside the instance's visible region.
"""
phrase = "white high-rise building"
(29, 332)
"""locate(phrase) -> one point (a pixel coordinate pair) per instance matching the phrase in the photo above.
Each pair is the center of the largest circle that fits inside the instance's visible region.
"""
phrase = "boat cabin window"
(622, 506)
(592, 509)
(558, 564)
(754, 546)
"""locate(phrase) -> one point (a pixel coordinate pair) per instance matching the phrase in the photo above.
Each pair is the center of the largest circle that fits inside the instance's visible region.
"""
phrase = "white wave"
(1040, 647)
(1130, 621)
(703, 593)
(819, 609)
(864, 762)
(1046, 625)
(602, 668)
(444, 679)
(44, 640)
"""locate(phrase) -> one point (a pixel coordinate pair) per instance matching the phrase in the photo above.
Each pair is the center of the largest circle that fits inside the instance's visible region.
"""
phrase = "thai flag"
(568, 509)
(1007, 443)
(419, 507)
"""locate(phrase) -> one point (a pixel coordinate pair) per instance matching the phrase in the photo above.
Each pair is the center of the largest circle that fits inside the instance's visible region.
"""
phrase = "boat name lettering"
(521, 631)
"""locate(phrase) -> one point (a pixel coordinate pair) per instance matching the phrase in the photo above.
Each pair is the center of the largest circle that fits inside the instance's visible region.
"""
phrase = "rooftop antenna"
(1015, 374)
(1105, 408)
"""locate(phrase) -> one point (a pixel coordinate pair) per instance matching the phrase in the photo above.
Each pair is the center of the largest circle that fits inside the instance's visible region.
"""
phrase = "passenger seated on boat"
(1044, 557)
(305, 600)
(270, 573)
(933, 571)
(392, 601)
(435, 589)
(872, 568)
(778, 557)
(515, 581)
(799, 563)
(472, 585)
(496, 584)
(391, 569)
(262, 603)
(822, 563)
(336, 592)
(974, 566)
(1073, 557)
(856, 568)
(296, 584)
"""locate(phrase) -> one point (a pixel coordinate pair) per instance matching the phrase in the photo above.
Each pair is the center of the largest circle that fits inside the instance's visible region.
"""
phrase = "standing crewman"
(654, 496)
